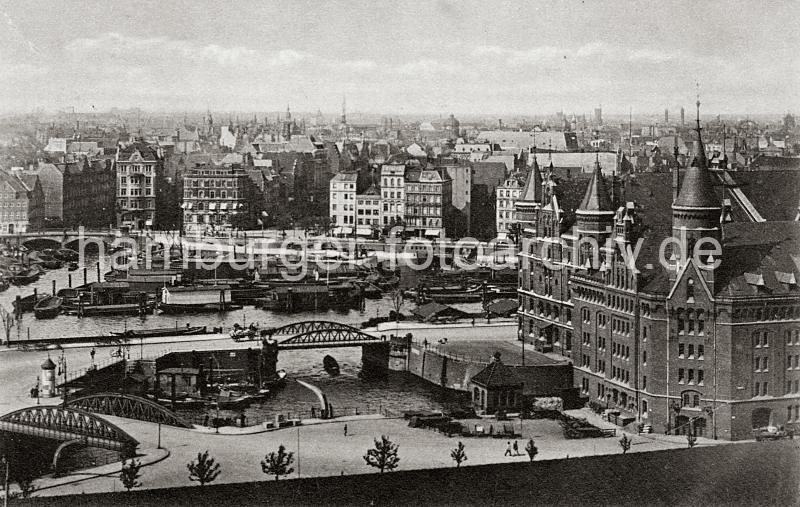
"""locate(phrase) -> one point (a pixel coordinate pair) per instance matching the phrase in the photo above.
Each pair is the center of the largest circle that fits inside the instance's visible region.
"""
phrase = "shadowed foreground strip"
(746, 474)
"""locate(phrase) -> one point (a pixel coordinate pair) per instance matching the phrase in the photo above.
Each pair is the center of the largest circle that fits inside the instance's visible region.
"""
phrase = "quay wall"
(441, 369)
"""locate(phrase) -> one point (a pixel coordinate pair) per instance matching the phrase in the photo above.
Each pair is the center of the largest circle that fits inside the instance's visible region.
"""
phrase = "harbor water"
(347, 392)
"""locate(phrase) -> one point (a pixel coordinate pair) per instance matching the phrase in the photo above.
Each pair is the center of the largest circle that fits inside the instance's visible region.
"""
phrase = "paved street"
(324, 450)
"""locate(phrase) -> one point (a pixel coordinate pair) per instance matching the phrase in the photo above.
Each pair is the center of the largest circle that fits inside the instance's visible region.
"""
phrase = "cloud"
(165, 50)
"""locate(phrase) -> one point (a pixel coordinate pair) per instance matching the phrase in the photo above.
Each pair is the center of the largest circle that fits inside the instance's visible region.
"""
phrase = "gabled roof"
(596, 198)
(497, 374)
(145, 150)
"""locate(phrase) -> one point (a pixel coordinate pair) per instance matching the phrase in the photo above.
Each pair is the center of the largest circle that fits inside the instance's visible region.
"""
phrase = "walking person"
(508, 449)
(516, 448)
(345, 430)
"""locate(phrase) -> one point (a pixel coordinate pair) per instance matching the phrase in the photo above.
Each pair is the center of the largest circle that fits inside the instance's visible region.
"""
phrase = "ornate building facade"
(681, 336)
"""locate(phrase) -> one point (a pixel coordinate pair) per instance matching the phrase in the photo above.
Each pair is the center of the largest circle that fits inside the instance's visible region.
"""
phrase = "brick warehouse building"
(680, 347)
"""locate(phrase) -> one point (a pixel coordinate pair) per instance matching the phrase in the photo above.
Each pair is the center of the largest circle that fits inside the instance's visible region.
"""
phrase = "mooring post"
(54, 287)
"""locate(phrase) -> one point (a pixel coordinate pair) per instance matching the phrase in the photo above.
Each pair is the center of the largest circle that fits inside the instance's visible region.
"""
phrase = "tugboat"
(330, 365)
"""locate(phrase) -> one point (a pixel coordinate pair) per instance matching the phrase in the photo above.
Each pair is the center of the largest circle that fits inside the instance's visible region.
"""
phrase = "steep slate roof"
(773, 193)
(697, 188)
(596, 197)
(533, 187)
(497, 374)
(145, 150)
(765, 251)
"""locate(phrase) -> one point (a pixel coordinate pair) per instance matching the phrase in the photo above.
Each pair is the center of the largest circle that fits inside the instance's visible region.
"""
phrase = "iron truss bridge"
(128, 406)
(321, 334)
(67, 424)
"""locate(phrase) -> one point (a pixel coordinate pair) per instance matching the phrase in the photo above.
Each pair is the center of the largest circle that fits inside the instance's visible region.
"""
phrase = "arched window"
(690, 290)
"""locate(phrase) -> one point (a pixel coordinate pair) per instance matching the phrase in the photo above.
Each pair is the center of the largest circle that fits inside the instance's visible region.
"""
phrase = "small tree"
(130, 474)
(203, 469)
(383, 456)
(625, 443)
(9, 321)
(691, 439)
(397, 304)
(458, 454)
(278, 464)
(531, 449)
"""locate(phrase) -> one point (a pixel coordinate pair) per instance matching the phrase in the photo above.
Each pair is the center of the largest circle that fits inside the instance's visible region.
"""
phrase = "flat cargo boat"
(161, 331)
(197, 298)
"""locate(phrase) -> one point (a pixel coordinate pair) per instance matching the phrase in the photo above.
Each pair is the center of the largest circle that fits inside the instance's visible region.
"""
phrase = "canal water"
(347, 392)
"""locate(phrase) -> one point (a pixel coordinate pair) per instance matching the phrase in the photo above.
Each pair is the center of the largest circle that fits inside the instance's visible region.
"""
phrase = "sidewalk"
(668, 440)
(262, 428)
(146, 457)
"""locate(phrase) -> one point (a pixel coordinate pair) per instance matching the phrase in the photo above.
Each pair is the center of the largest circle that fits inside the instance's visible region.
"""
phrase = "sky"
(402, 57)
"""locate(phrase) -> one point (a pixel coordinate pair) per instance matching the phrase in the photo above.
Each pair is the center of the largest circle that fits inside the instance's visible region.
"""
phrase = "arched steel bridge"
(321, 334)
(67, 424)
(129, 406)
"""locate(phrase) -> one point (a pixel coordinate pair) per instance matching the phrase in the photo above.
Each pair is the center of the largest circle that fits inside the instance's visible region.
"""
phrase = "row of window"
(617, 302)
(793, 362)
(760, 388)
(218, 183)
(134, 203)
(135, 191)
(134, 168)
(793, 409)
(223, 194)
(391, 195)
(369, 202)
(362, 211)
(772, 313)
(688, 376)
(123, 180)
(620, 326)
(390, 182)
(424, 188)
(619, 350)
(687, 351)
(761, 364)
(620, 374)
(690, 321)
(792, 386)
(426, 210)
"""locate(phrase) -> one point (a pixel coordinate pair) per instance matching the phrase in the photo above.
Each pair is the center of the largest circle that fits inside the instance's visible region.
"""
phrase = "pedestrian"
(508, 449)
(516, 448)
(473, 321)
(345, 430)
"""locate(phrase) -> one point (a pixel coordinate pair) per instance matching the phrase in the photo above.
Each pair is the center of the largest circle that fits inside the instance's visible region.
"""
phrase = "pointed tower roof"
(596, 198)
(697, 189)
(533, 187)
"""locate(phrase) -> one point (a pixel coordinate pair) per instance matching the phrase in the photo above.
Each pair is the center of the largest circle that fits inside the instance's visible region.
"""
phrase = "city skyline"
(433, 58)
